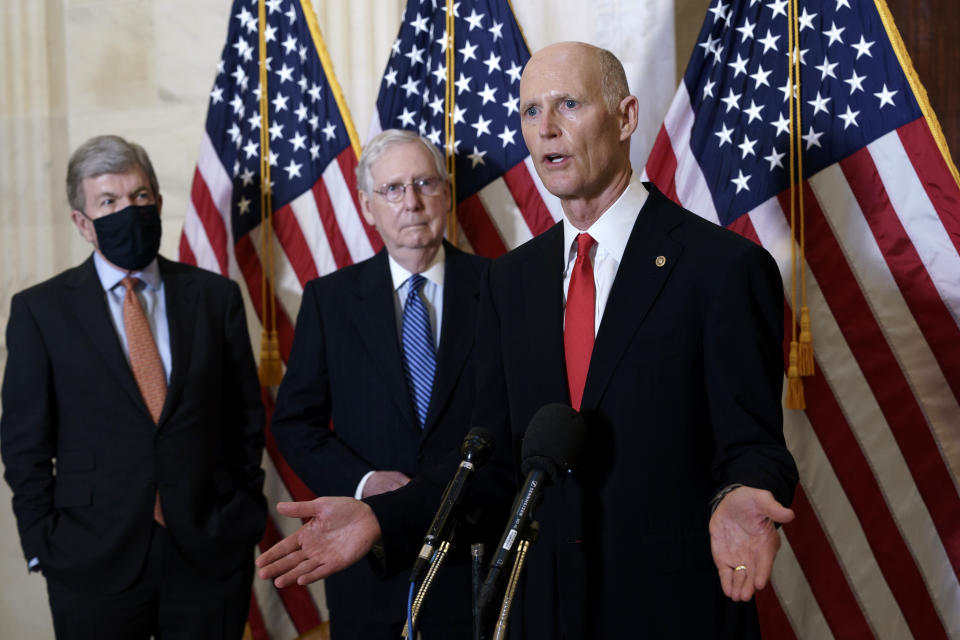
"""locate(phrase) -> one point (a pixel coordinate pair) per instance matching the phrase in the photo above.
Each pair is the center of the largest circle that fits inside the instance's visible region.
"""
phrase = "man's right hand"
(384, 481)
(339, 532)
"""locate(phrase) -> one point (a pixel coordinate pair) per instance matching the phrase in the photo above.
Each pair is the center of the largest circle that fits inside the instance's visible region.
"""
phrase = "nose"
(411, 197)
(548, 125)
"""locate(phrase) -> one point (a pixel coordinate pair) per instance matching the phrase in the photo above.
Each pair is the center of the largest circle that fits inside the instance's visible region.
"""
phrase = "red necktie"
(145, 362)
(579, 331)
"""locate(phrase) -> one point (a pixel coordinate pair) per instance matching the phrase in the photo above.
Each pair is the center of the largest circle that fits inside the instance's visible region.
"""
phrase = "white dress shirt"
(611, 231)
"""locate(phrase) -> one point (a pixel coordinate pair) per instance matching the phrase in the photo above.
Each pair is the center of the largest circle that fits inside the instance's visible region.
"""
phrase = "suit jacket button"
(660, 261)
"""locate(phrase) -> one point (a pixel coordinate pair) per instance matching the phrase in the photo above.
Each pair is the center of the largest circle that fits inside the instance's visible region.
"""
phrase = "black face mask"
(130, 237)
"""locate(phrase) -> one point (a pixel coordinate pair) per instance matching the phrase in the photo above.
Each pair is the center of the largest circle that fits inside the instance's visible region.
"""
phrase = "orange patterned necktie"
(144, 356)
(145, 362)
(578, 330)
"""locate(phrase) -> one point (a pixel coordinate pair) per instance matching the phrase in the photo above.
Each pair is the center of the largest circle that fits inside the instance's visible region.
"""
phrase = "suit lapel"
(181, 301)
(639, 280)
(88, 303)
(376, 321)
(460, 292)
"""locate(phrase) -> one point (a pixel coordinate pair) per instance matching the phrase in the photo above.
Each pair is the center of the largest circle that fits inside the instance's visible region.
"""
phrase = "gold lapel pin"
(660, 261)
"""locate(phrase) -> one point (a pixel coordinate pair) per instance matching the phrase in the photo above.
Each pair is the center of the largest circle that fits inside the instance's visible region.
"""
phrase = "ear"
(365, 208)
(85, 226)
(629, 113)
(159, 204)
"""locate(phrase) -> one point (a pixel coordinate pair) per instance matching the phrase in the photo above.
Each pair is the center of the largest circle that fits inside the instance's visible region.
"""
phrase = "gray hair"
(386, 139)
(613, 79)
(105, 154)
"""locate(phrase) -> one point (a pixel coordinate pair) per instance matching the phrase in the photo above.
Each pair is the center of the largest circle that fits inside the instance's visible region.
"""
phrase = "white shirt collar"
(612, 229)
(109, 275)
(433, 272)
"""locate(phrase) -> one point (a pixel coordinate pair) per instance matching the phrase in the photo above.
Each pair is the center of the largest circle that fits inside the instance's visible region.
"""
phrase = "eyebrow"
(111, 194)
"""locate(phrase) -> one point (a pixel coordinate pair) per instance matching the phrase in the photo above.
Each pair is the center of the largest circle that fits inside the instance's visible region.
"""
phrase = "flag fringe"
(806, 343)
(795, 399)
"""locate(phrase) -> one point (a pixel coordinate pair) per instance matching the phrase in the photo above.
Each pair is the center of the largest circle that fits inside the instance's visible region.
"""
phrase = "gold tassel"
(794, 383)
(806, 343)
(271, 370)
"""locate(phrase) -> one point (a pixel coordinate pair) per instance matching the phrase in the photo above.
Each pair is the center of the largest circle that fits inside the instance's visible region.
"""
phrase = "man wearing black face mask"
(132, 427)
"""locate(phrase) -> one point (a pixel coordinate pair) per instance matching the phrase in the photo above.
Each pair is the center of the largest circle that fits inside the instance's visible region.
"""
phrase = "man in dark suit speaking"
(385, 349)
(132, 428)
(665, 332)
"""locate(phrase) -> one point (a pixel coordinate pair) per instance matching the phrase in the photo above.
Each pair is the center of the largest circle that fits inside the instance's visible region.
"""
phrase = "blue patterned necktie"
(419, 359)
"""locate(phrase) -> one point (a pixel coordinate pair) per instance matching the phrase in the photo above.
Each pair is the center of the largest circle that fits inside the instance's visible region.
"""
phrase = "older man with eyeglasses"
(379, 386)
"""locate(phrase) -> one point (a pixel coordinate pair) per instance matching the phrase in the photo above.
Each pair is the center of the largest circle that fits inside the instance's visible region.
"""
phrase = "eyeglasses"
(395, 191)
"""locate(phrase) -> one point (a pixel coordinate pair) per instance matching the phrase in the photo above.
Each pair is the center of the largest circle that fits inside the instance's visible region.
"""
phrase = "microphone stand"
(476, 565)
(529, 537)
(439, 556)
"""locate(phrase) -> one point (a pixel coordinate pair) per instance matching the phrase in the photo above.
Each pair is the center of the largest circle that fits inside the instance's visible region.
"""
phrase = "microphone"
(551, 444)
(474, 452)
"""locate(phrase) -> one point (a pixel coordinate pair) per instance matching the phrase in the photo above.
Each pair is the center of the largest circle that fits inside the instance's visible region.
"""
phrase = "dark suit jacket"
(682, 398)
(83, 456)
(346, 366)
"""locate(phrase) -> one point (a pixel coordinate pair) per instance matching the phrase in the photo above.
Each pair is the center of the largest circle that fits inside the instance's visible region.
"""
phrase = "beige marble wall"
(70, 69)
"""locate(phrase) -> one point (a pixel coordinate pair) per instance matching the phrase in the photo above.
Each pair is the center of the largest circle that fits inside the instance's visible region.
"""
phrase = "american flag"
(316, 224)
(875, 548)
(501, 201)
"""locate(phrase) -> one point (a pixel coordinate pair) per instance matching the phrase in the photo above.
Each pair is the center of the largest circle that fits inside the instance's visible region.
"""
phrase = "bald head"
(577, 117)
(599, 63)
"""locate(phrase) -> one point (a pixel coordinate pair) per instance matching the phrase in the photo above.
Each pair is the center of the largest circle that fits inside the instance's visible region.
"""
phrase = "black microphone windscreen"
(553, 439)
(477, 446)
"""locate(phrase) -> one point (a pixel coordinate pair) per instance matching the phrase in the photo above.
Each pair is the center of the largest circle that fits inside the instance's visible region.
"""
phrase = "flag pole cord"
(449, 131)
(795, 399)
(270, 369)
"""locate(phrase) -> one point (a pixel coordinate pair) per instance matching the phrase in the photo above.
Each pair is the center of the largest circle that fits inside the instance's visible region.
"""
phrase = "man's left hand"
(745, 541)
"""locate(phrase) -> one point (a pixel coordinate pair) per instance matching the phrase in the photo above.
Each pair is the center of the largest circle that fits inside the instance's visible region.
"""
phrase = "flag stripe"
(290, 237)
(524, 193)
(252, 274)
(795, 597)
(307, 209)
(663, 165)
(834, 426)
(479, 229)
(198, 243)
(913, 278)
(886, 297)
(880, 367)
(925, 229)
(336, 243)
(210, 218)
(842, 525)
(892, 390)
(691, 185)
(826, 578)
(185, 252)
(853, 478)
(276, 619)
(346, 192)
(938, 182)
(773, 620)
(934, 363)
(500, 207)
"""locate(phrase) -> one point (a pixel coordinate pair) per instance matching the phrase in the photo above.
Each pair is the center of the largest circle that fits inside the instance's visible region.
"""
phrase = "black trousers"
(170, 600)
